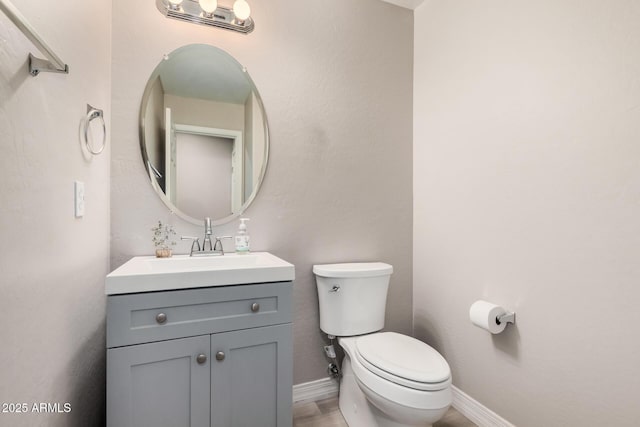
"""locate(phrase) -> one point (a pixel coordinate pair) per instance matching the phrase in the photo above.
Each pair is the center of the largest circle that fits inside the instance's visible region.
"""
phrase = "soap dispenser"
(242, 238)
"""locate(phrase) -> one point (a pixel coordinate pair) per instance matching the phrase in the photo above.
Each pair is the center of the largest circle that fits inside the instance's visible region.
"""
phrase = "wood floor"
(325, 413)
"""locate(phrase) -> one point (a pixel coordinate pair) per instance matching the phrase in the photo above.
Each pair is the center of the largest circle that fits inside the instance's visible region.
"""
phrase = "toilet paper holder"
(508, 317)
(490, 317)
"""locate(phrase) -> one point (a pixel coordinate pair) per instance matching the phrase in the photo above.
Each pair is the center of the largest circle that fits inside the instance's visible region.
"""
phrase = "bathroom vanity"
(200, 342)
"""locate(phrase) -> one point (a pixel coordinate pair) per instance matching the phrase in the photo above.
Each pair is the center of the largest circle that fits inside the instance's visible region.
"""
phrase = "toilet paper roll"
(484, 315)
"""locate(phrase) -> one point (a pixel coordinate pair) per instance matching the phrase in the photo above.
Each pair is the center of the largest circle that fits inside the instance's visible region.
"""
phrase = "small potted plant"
(163, 239)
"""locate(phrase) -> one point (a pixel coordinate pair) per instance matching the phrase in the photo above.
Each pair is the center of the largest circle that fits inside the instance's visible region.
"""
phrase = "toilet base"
(358, 411)
(353, 404)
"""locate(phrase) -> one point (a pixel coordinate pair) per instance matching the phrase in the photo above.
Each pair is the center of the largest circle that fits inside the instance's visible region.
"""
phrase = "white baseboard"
(469, 407)
(315, 390)
(477, 412)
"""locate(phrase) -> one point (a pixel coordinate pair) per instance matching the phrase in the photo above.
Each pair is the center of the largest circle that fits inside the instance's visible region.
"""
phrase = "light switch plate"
(79, 198)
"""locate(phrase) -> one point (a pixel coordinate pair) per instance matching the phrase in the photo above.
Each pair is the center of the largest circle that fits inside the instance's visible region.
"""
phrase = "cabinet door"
(251, 377)
(163, 384)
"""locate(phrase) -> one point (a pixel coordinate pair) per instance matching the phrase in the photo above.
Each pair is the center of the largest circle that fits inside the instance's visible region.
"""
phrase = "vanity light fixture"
(209, 12)
(241, 9)
(208, 7)
(175, 4)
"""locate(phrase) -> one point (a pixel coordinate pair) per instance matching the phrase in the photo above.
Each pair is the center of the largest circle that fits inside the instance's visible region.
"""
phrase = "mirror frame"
(145, 157)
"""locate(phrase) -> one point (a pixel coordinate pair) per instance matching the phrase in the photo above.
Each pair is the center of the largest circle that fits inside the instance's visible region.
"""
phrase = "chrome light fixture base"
(190, 11)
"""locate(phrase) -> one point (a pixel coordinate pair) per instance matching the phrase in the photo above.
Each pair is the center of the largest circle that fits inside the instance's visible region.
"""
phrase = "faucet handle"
(219, 242)
(195, 243)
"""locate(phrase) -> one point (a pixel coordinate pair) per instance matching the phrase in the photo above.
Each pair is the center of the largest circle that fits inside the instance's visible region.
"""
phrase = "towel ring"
(94, 113)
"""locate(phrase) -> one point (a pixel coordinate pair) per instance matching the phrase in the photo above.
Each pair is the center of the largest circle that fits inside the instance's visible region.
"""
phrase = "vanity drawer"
(156, 316)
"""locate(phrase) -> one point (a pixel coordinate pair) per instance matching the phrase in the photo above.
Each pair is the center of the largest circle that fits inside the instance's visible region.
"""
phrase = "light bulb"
(241, 9)
(209, 6)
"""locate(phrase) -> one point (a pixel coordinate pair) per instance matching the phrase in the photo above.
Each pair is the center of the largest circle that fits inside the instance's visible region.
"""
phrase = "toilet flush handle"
(335, 288)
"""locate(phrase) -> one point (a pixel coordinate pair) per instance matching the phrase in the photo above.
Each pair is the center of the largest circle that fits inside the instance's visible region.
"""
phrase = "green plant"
(163, 235)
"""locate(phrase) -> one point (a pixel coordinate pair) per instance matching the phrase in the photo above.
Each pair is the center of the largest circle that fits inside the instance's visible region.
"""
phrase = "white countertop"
(149, 274)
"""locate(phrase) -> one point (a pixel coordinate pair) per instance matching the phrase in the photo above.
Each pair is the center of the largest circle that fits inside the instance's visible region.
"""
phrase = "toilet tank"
(352, 297)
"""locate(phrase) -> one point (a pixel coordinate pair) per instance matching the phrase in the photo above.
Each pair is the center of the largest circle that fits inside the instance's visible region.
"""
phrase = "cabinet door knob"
(201, 359)
(255, 307)
(220, 356)
(161, 318)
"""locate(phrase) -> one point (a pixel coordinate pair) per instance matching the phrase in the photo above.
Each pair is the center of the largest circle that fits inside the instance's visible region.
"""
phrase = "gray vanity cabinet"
(252, 385)
(206, 357)
(159, 384)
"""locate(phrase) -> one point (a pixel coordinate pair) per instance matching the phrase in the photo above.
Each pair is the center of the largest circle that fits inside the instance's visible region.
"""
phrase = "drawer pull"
(201, 359)
(161, 318)
(220, 356)
(255, 307)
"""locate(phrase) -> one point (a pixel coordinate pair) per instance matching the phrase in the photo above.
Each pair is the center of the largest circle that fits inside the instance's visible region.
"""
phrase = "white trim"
(201, 130)
(408, 4)
(476, 411)
(469, 407)
(315, 390)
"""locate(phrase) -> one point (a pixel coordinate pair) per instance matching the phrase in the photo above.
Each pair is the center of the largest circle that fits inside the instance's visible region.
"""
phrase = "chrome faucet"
(214, 248)
(207, 234)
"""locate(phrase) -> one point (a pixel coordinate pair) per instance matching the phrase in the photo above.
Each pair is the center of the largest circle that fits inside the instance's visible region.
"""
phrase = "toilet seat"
(403, 360)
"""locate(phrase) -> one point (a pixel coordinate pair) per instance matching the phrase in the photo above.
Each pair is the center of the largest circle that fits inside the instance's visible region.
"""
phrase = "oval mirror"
(203, 134)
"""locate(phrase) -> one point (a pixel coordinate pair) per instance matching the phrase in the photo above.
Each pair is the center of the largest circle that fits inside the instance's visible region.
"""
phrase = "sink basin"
(148, 273)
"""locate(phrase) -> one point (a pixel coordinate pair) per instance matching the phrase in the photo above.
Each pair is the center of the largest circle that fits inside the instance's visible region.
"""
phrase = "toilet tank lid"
(353, 269)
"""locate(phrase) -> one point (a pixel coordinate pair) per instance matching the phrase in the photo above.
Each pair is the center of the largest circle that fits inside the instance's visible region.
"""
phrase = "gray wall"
(336, 81)
(52, 265)
(527, 191)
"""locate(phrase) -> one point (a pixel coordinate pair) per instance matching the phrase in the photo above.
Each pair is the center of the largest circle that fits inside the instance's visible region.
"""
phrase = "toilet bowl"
(419, 397)
(388, 379)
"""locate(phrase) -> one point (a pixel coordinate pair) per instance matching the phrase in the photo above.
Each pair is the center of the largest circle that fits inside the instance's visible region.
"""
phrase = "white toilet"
(388, 379)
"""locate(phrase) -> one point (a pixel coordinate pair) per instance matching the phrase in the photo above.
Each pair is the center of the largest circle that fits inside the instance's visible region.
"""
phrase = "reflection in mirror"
(203, 134)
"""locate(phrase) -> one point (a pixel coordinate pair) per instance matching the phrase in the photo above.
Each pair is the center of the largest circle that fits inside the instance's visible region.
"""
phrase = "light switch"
(79, 198)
